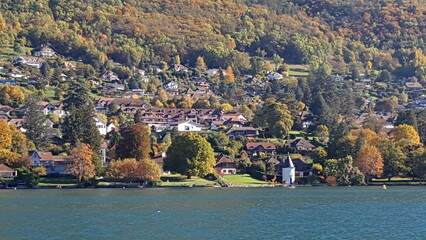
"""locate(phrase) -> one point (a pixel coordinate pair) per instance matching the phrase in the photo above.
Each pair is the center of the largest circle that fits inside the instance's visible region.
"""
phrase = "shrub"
(331, 181)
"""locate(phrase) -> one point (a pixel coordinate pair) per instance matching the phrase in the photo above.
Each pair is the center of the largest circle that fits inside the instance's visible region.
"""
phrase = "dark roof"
(223, 159)
(265, 145)
(273, 161)
(301, 143)
(297, 163)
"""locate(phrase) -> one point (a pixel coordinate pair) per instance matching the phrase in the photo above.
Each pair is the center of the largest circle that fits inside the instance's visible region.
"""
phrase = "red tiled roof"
(4, 168)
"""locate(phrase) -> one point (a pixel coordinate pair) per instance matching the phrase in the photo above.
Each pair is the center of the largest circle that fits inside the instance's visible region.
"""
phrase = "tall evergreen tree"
(80, 126)
(36, 129)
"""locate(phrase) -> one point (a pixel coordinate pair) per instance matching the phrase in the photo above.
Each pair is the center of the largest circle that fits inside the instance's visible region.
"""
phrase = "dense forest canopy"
(225, 32)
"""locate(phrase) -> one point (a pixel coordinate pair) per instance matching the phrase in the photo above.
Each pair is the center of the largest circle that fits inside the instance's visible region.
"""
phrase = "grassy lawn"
(244, 179)
(394, 181)
(298, 73)
(297, 70)
(179, 180)
(57, 181)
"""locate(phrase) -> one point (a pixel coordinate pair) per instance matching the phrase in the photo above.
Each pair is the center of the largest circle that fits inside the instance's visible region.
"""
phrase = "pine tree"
(80, 126)
(34, 124)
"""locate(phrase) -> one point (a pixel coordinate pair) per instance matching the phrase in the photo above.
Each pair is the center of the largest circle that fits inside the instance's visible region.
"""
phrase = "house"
(32, 80)
(5, 109)
(301, 168)
(110, 76)
(235, 132)
(214, 71)
(69, 65)
(49, 108)
(101, 125)
(337, 77)
(255, 81)
(110, 127)
(180, 68)
(102, 104)
(14, 74)
(44, 51)
(31, 61)
(301, 145)
(187, 126)
(6, 171)
(115, 87)
(54, 164)
(273, 76)
(140, 72)
(413, 86)
(419, 102)
(18, 122)
(171, 86)
(273, 162)
(13, 83)
(255, 148)
(225, 165)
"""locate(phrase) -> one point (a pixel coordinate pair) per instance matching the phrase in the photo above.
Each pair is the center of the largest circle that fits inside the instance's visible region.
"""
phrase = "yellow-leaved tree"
(229, 75)
(406, 135)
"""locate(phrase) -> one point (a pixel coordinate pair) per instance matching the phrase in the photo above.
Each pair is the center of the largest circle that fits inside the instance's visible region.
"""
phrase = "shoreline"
(204, 186)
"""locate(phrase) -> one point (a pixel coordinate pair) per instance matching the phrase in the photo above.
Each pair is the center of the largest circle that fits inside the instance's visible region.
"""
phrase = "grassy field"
(7, 53)
(179, 180)
(244, 179)
(297, 70)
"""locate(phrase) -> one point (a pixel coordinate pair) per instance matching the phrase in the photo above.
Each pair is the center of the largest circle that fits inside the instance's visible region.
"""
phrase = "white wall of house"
(189, 127)
(101, 125)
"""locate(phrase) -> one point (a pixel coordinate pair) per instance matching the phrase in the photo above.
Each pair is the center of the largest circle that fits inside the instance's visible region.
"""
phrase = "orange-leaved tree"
(370, 162)
(82, 166)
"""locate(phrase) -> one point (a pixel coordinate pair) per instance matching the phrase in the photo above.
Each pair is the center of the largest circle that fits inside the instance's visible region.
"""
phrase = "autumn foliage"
(82, 166)
(131, 170)
(370, 161)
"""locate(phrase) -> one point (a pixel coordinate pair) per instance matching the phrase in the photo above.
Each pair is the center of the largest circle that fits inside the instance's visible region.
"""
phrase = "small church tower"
(289, 171)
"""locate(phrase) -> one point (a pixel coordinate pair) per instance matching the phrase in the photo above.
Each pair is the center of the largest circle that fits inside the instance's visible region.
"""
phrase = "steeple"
(288, 163)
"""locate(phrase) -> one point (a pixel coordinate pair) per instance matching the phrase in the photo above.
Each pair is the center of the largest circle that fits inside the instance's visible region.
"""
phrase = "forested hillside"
(344, 34)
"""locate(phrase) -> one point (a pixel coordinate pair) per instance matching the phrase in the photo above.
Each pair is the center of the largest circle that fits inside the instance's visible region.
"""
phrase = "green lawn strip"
(179, 180)
(244, 179)
(394, 181)
(298, 73)
(57, 182)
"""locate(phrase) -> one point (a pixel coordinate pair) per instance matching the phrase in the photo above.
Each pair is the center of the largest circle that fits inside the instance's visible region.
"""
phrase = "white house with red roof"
(225, 165)
(53, 163)
(31, 61)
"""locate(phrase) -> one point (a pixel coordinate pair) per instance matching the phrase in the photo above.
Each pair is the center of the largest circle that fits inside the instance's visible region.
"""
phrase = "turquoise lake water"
(215, 213)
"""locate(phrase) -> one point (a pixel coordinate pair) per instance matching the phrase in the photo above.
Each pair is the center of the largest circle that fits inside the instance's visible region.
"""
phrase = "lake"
(215, 213)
